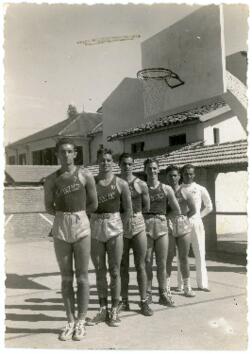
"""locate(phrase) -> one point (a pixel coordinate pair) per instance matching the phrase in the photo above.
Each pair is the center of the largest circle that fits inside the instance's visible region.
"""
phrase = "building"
(39, 148)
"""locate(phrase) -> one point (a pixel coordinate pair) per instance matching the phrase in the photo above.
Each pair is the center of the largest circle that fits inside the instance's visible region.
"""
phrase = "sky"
(46, 69)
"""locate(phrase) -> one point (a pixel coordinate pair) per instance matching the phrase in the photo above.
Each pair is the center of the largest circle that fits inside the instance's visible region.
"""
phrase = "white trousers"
(199, 250)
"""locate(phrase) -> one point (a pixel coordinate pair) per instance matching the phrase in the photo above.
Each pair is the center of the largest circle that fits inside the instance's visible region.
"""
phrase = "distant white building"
(39, 148)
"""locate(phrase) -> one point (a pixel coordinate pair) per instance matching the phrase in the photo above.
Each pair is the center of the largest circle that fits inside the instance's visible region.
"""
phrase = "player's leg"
(148, 267)
(124, 305)
(98, 255)
(198, 245)
(170, 256)
(81, 257)
(161, 251)
(114, 247)
(183, 245)
(139, 245)
(64, 256)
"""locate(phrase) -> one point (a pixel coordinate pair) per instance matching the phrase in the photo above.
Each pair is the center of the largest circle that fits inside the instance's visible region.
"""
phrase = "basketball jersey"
(109, 198)
(136, 197)
(158, 200)
(70, 193)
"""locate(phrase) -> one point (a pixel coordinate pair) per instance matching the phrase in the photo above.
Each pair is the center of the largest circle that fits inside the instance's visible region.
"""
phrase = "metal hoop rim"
(167, 73)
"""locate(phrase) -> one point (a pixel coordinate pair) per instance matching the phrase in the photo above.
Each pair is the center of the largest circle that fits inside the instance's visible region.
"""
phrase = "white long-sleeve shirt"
(200, 196)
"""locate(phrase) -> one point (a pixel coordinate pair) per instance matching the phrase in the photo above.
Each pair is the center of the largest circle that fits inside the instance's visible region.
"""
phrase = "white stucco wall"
(123, 109)
(161, 139)
(193, 48)
(231, 195)
(229, 129)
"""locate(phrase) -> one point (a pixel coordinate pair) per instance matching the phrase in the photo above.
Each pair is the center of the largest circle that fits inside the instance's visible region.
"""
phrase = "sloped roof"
(28, 173)
(225, 154)
(79, 125)
(181, 118)
(195, 153)
(97, 129)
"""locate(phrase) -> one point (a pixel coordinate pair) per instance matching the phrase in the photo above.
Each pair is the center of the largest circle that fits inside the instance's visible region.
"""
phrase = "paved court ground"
(35, 313)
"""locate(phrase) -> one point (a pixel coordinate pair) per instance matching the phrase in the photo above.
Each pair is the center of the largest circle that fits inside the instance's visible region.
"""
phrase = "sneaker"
(166, 300)
(101, 316)
(189, 293)
(67, 332)
(113, 320)
(204, 289)
(145, 308)
(79, 331)
(124, 306)
(149, 297)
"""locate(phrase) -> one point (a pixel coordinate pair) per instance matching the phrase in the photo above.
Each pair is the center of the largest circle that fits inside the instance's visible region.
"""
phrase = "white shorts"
(70, 227)
(156, 226)
(105, 226)
(137, 225)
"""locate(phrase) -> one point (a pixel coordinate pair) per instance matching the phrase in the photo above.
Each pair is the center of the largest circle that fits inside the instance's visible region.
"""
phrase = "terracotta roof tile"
(197, 154)
(164, 121)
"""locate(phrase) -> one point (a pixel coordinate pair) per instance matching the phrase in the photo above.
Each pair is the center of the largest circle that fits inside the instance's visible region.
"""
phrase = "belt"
(157, 216)
(105, 215)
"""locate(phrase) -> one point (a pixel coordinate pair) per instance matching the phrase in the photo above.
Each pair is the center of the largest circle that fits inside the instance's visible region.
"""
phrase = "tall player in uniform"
(188, 208)
(136, 239)
(161, 195)
(107, 236)
(201, 197)
(69, 192)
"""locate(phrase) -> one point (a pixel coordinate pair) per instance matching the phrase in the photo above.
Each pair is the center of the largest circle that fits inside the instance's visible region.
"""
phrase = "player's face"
(188, 175)
(126, 165)
(105, 163)
(173, 178)
(152, 170)
(66, 154)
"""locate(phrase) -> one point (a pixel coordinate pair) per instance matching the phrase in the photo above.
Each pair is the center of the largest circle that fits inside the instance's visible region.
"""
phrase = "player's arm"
(207, 203)
(190, 203)
(145, 197)
(172, 200)
(126, 206)
(92, 201)
(49, 187)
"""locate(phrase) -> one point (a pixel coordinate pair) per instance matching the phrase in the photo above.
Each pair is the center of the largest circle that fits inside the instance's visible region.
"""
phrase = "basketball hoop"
(172, 79)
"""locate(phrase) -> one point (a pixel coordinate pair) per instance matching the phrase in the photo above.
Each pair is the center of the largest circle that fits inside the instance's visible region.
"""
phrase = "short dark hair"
(125, 155)
(170, 168)
(63, 141)
(186, 167)
(150, 160)
(102, 151)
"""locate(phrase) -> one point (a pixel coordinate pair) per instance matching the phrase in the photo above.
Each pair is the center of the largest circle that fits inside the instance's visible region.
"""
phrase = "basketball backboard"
(194, 49)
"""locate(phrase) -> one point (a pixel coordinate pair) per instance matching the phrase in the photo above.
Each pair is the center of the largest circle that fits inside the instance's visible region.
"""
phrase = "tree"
(72, 111)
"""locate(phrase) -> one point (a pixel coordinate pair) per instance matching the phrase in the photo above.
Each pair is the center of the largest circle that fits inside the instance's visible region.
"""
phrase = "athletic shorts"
(105, 226)
(137, 225)
(70, 227)
(156, 226)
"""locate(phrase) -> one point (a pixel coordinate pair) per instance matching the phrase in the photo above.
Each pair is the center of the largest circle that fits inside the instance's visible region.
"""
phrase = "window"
(216, 134)
(22, 159)
(11, 160)
(44, 157)
(79, 158)
(177, 139)
(137, 147)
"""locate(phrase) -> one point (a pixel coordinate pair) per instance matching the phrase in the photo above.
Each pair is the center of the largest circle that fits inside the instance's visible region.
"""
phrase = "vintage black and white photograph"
(126, 175)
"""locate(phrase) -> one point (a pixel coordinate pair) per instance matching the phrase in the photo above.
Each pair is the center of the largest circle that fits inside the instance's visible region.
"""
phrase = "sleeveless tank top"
(109, 198)
(70, 194)
(136, 197)
(158, 200)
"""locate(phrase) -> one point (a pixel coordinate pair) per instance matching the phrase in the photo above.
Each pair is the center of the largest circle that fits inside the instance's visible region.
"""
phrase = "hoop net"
(157, 83)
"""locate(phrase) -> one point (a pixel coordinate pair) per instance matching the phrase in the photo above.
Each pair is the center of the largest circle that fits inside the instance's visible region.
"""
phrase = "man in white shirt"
(201, 198)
